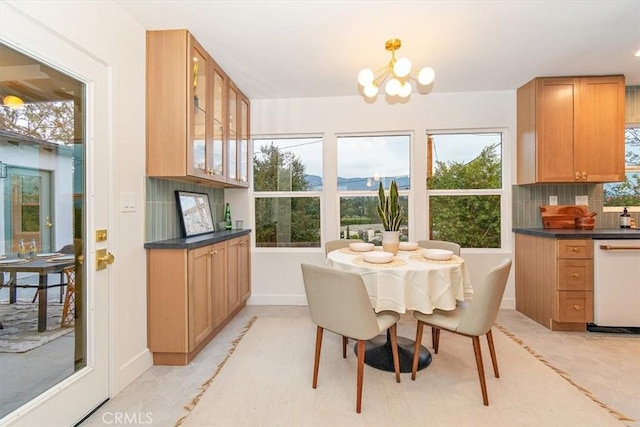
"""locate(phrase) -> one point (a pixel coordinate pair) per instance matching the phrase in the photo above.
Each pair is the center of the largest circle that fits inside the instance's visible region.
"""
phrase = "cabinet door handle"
(577, 176)
(584, 176)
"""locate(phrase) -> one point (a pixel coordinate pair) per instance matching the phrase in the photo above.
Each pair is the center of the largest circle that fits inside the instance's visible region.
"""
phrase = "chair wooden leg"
(416, 350)
(492, 351)
(436, 343)
(433, 337)
(394, 351)
(345, 341)
(316, 360)
(483, 384)
(361, 350)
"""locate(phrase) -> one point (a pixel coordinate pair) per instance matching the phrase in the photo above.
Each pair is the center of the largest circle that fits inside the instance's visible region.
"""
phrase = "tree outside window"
(627, 193)
(464, 185)
(287, 174)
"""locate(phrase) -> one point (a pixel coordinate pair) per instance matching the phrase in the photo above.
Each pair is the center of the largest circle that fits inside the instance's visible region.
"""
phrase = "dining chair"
(338, 302)
(332, 245)
(440, 244)
(69, 307)
(472, 321)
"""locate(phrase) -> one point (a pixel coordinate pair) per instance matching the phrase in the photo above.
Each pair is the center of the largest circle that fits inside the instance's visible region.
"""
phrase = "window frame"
(312, 194)
(503, 192)
(627, 169)
(408, 193)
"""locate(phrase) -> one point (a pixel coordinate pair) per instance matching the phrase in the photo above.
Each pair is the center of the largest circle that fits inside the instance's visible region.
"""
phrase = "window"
(465, 189)
(287, 182)
(627, 193)
(363, 163)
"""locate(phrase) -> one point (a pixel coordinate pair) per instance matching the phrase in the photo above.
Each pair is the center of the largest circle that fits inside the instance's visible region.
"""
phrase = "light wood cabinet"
(238, 144)
(188, 106)
(189, 296)
(554, 281)
(571, 130)
(239, 272)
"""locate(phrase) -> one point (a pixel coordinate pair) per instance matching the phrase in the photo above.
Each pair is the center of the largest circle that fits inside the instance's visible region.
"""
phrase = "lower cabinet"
(554, 281)
(192, 294)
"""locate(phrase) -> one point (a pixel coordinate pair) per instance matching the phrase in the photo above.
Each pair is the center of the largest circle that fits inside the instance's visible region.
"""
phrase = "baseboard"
(131, 370)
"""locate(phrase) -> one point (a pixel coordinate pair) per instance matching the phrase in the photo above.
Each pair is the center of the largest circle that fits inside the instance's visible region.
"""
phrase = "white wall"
(276, 277)
(104, 31)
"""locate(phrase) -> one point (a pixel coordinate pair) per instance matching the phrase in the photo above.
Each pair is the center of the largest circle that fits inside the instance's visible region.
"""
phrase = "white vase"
(391, 241)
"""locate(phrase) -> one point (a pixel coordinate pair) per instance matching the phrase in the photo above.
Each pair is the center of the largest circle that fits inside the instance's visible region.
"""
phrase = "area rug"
(20, 321)
(266, 381)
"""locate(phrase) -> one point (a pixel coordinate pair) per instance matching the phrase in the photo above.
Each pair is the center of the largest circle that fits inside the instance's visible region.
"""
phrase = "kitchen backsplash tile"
(162, 221)
(527, 200)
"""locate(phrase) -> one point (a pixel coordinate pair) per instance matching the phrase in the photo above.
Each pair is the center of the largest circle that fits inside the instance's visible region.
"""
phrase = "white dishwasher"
(616, 287)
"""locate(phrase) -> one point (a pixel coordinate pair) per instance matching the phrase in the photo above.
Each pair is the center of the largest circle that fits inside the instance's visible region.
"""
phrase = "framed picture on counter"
(195, 213)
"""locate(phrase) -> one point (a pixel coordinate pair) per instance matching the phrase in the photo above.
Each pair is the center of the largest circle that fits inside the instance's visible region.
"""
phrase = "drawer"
(575, 275)
(574, 248)
(574, 306)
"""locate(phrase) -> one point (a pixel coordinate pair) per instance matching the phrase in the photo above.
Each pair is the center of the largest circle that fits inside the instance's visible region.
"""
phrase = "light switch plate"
(127, 202)
(553, 200)
(582, 200)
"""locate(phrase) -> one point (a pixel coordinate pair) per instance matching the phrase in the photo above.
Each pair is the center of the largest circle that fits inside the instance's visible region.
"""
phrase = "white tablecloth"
(419, 284)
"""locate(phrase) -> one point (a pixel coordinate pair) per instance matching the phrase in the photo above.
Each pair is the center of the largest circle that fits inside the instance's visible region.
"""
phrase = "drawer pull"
(575, 275)
(576, 307)
(574, 249)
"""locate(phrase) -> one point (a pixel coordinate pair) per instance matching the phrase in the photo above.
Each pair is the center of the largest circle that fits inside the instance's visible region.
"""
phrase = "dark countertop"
(196, 241)
(568, 233)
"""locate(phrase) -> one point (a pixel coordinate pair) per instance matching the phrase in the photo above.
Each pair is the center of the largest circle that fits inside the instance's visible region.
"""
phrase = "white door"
(74, 397)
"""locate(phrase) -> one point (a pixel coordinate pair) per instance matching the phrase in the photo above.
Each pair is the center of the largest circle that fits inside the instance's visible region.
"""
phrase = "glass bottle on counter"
(227, 217)
(22, 252)
(625, 219)
(32, 249)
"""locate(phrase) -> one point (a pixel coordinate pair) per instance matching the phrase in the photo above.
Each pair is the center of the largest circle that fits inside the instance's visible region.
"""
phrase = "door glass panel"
(43, 334)
(231, 155)
(218, 133)
(199, 87)
(244, 140)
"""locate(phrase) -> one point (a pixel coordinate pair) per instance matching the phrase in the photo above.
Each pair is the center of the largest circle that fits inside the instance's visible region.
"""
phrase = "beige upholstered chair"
(440, 244)
(332, 245)
(472, 321)
(338, 302)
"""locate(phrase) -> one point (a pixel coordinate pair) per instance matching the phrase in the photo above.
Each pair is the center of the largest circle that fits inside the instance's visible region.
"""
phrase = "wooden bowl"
(585, 223)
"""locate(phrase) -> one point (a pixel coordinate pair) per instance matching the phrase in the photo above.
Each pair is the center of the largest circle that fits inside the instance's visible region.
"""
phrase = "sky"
(367, 156)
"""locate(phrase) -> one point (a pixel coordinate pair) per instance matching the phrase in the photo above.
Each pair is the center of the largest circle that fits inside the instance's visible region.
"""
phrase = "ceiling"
(291, 49)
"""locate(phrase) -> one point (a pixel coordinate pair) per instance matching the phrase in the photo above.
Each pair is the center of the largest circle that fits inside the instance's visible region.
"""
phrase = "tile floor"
(607, 365)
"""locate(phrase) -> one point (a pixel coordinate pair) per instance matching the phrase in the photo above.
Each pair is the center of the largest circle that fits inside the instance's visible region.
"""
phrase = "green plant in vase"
(392, 216)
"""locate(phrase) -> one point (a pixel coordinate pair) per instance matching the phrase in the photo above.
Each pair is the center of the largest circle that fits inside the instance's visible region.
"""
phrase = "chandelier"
(399, 71)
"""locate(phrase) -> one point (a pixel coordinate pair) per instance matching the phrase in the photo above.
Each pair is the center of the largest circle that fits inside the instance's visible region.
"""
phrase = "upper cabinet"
(571, 130)
(238, 146)
(188, 99)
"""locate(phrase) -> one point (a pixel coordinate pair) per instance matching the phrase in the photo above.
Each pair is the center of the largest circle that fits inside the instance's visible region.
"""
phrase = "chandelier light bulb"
(405, 90)
(402, 67)
(365, 77)
(370, 91)
(426, 76)
(392, 87)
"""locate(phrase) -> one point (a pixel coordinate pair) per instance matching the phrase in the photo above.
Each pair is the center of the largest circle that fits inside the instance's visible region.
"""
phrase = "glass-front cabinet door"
(217, 168)
(232, 153)
(197, 163)
(243, 141)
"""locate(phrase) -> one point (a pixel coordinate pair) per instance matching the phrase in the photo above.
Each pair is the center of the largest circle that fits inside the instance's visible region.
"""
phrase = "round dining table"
(408, 282)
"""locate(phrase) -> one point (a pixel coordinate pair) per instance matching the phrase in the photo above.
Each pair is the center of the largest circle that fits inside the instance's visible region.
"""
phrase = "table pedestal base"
(378, 354)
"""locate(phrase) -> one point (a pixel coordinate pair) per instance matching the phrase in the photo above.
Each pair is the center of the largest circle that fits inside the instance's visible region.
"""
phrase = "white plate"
(13, 261)
(408, 246)
(49, 255)
(62, 258)
(437, 254)
(378, 257)
(361, 247)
